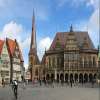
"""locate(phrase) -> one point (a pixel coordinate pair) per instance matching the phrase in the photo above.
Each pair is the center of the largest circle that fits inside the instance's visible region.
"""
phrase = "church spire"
(33, 36)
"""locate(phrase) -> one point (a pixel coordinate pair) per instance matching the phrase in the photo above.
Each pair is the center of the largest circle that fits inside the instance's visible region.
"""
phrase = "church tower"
(33, 58)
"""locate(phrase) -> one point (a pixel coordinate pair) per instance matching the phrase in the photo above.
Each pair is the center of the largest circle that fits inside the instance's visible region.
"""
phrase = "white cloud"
(26, 42)
(93, 3)
(12, 30)
(94, 20)
(44, 43)
(92, 26)
(77, 3)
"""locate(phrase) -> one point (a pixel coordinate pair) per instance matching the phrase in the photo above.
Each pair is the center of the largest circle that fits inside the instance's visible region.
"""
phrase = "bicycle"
(15, 92)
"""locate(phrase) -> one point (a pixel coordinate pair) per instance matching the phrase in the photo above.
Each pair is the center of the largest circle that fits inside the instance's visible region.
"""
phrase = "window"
(4, 73)
(94, 62)
(36, 72)
(49, 62)
(53, 61)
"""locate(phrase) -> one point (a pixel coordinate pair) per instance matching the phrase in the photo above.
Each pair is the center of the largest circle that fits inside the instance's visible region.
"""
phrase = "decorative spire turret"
(71, 28)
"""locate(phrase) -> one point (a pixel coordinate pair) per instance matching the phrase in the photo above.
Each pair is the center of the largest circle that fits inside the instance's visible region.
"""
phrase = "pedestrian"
(24, 83)
(53, 81)
(92, 83)
(71, 82)
(82, 82)
(40, 82)
(3, 82)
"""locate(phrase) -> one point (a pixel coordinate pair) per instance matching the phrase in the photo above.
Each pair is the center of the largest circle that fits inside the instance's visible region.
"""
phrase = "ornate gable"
(71, 41)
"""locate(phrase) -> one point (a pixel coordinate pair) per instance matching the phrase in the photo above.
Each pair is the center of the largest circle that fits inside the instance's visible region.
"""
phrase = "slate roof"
(80, 36)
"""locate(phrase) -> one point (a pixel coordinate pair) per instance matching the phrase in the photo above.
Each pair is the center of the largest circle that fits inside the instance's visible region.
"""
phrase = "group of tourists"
(71, 82)
(47, 83)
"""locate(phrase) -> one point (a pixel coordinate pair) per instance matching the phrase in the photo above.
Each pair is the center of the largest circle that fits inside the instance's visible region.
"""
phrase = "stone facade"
(72, 56)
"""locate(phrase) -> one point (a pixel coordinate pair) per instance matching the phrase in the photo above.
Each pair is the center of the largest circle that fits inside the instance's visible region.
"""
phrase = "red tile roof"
(11, 46)
(1, 45)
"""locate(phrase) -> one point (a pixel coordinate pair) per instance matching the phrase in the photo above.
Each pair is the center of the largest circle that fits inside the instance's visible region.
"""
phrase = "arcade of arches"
(71, 57)
(76, 77)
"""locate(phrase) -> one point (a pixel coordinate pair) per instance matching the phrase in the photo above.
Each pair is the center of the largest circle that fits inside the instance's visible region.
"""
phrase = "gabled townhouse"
(4, 63)
(16, 60)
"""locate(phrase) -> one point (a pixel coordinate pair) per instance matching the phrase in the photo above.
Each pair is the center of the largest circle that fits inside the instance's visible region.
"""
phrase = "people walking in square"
(3, 82)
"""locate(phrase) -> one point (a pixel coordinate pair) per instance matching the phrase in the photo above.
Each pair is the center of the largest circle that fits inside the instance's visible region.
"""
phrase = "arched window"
(49, 62)
(53, 61)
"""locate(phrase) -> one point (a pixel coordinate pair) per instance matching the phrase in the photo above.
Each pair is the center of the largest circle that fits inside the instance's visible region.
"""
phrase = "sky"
(51, 16)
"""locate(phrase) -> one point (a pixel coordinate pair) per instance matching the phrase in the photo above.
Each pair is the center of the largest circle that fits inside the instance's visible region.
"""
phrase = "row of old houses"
(11, 61)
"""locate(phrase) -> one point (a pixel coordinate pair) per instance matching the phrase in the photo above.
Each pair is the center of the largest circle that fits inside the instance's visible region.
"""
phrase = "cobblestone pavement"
(49, 93)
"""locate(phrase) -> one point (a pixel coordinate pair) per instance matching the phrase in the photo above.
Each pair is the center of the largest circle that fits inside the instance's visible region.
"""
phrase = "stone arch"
(90, 77)
(85, 78)
(71, 77)
(62, 77)
(80, 78)
(76, 77)
(57, 77)
(66, 77)
(52, 77)
(47, 77)
(95, 77)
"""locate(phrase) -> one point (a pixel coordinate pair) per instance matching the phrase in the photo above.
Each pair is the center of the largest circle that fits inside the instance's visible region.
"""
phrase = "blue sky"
(50, 17)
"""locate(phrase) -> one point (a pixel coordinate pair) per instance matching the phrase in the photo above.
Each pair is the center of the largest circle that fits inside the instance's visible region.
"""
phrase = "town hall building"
(71, 56)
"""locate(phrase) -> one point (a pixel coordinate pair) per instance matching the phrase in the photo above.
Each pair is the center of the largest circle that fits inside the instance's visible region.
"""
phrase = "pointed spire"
(71, 28)
(33, 36)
